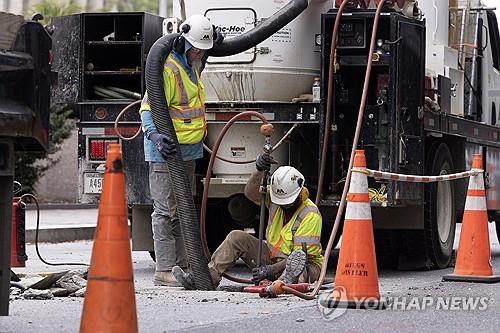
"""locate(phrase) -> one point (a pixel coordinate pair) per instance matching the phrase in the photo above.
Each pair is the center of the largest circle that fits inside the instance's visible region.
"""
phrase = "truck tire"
(387, 248)
(219, 223)
(439, 220)
(327, 230)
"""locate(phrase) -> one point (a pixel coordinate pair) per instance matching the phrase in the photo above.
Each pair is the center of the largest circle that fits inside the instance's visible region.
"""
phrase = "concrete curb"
(45, 206)
(61, 234)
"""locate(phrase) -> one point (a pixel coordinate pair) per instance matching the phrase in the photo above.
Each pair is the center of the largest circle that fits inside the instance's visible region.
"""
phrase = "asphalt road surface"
(426, 304)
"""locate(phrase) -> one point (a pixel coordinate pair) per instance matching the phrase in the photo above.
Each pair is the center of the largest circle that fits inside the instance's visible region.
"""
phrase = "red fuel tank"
(18, 255)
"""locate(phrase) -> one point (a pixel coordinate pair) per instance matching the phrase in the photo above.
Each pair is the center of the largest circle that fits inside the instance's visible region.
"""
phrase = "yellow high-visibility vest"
(186, 103)
(303, 227)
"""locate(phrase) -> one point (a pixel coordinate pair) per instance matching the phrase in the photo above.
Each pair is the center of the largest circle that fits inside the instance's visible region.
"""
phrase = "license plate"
(92, 183)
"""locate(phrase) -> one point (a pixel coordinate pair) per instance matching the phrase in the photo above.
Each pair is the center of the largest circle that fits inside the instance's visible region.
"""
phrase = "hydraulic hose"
(287, 134)
(261, 32)
(208, 175)
(207, 148)
(117, 120)
(180, 182)
(359, 124)
(329, 100)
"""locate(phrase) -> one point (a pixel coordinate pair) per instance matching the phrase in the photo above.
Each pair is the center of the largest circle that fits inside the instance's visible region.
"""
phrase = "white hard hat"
(286, 184)
(198, 31)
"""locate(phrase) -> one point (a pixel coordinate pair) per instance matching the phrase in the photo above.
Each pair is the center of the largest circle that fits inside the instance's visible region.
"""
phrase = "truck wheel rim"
(443, 207)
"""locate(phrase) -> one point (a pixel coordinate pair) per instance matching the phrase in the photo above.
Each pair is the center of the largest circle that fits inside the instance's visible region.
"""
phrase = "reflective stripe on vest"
(309, 240)
(306, 210)
(189, 121)
(178, 81)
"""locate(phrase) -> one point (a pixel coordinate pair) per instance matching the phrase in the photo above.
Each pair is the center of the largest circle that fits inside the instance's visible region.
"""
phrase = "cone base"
(472, 278)
(372, 304)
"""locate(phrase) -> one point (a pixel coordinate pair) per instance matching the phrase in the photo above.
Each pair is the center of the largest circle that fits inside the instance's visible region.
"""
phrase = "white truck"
(433, 101)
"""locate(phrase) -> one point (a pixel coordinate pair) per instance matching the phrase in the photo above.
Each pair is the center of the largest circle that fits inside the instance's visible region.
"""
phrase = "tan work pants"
(239, 244)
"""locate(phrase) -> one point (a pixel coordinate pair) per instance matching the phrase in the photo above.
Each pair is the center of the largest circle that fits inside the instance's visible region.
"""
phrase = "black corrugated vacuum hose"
(154, 85)
(185, 204)
(261, 32)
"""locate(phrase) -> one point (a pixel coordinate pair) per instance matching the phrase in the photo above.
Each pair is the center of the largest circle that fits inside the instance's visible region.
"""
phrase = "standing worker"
(292, 251)
(185, 96)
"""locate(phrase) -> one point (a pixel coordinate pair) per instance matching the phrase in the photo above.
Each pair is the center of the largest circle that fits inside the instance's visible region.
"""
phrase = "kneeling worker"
(292, 251)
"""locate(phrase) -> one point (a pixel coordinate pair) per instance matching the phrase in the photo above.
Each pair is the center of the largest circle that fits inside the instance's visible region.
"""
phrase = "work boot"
(165, 279)
(295, 265)
(186, 279)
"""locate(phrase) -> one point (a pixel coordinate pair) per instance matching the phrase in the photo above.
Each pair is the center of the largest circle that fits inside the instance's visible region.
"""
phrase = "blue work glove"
(164, 144)
(263, 162)
(263, 273)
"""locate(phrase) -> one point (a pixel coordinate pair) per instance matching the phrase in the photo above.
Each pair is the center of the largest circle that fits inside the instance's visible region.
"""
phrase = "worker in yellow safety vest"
(185, 97)
(292, 251)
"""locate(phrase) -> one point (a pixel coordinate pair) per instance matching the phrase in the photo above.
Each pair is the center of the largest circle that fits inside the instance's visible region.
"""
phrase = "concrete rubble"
(72, 281)
(48, 286)
(37, 294)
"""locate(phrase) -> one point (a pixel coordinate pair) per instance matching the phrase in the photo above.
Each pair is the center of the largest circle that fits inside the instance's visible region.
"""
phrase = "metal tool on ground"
(270, 289)
(109, 304)
(474, 256)
(266, 130)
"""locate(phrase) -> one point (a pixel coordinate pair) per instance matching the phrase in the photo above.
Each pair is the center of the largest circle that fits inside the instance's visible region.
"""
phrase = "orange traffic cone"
(473, 262)
(356, 279)
(109, 304)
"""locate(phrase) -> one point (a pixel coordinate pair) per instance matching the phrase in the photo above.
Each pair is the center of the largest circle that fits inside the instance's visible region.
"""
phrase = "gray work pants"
(167, 236)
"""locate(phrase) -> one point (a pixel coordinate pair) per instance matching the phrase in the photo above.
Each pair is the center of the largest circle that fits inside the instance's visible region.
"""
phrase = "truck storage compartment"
(122, 27)
(112, 57)
(89, 48)
(107, 86)
(120, 56)
(100, 63)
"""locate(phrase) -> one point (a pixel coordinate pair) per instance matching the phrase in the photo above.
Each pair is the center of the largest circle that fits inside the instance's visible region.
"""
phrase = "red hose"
(208, 175)
(329, 100)
(359, 123)
(117, 120)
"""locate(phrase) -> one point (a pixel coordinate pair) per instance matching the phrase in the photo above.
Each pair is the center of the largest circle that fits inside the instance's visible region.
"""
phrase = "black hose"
(35, 200)
(261, 32)
(180, 182)
(154, 85)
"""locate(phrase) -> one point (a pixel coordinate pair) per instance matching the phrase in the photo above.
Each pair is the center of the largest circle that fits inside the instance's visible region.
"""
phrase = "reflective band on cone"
(473, 262)
(357, 274)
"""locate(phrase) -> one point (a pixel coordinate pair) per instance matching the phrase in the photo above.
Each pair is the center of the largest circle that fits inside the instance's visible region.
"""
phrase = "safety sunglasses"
(197, 51)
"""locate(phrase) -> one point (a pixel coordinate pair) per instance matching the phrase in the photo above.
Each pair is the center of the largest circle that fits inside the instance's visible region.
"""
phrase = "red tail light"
(98, 148)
